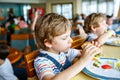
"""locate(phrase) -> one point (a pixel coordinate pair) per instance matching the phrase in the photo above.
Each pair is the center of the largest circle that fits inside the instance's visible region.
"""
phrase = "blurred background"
(68, 8)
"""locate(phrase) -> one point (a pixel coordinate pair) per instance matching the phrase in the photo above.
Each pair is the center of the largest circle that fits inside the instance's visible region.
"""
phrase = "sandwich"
(96, 58)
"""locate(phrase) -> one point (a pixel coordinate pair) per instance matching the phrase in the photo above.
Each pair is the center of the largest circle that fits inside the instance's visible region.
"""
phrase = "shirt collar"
(56, 56)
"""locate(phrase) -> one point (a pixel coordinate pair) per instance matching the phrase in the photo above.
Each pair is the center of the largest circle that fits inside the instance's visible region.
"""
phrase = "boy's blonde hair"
(93, 19)
(50, 26)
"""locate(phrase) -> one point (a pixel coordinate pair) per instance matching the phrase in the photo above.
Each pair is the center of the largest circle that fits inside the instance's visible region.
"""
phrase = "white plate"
(110, 41)
(100, 73)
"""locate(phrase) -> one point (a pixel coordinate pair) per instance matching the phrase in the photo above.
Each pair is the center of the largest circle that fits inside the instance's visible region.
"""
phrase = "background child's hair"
(109, 16)
(93, 19)
(4, 51)
(49, 26)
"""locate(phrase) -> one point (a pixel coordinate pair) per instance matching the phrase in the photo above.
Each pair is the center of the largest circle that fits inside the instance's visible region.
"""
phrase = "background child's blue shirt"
(91, 37)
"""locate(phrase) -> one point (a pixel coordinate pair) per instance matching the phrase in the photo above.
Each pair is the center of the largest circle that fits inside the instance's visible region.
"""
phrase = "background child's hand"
(36, 14)
(102, 39)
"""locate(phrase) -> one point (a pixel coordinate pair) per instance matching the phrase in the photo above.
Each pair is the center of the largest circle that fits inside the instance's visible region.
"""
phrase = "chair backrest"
(29, 60)
(19, 41)
(77, 41)
(32, 42)
(25, 30)
(16, 30)
(3, 34)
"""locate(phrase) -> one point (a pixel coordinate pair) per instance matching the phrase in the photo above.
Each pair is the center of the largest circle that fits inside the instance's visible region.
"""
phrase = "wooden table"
(15, 55)
(108, 52)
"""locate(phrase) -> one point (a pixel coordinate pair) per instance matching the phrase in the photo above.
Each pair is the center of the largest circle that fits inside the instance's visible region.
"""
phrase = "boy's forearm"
(102, 39)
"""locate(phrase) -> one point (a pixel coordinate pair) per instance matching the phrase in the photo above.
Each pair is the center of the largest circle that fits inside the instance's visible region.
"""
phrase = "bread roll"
(96, 57)
(85, 44)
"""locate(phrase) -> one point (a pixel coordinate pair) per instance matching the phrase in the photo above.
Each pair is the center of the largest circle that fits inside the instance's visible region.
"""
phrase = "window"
(93, 6)
(63, 9)
(103, 6)
(25, 9)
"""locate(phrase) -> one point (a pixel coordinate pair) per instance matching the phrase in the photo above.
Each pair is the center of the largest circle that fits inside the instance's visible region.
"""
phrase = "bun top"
(85, 44)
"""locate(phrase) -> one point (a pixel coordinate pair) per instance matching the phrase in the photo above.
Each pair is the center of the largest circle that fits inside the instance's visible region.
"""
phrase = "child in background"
(109, 22)
(22, 24)
(96, 28)
(6, 70)
(52, 32)
(111, 25)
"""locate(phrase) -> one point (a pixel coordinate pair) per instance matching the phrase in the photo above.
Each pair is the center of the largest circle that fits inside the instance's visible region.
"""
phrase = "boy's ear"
(47, 43)
(93, 28)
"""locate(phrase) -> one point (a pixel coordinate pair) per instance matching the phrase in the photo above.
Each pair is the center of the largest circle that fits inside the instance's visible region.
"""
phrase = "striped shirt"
(44, 66)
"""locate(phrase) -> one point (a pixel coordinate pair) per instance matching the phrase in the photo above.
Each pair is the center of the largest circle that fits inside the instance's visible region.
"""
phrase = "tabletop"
(15, 55)
(108, 52)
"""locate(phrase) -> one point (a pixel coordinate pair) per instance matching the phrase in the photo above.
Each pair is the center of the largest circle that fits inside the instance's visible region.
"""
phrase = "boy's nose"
(70, 40)
(106, 25)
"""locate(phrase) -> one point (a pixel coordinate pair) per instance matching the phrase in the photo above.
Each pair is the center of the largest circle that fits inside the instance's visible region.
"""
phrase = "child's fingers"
(96, 43)
(92, 49)
(36, 13)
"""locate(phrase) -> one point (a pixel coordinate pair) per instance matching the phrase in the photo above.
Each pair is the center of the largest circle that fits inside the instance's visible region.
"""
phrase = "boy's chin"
(66, 50)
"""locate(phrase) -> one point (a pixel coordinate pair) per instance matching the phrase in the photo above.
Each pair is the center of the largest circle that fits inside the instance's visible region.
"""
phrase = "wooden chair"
(77, 41)
(29, 60)
(21, 42)
(16, 30)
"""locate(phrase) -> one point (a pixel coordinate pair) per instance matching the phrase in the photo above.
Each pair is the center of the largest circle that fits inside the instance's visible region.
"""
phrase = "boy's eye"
(64, 38)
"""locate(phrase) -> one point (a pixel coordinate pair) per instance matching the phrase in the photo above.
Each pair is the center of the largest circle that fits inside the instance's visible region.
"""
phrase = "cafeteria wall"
(77, 4)
(5, 7)
(17, 8)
